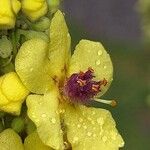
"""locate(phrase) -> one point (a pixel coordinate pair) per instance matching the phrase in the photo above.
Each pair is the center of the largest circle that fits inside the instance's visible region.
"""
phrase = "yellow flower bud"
(8, 12)
(34, 9)
(12, 93)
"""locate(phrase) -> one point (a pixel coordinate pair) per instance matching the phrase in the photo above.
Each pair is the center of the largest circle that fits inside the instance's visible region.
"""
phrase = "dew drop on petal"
(105, 67)
(31, 69)
(104, 138)
(98, 62)
(53, 120)
(89, 133)
(94, 135)
(100, 121)
(79, 125)
(43, 115)
(99, 52)
(75, 139)
(85, 127)
(80, 120)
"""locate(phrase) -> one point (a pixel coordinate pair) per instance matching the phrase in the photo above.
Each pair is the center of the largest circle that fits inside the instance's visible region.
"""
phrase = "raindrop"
(105, 67)
(104, 138)
(94, 135)
(93, 112)
(85, 127)
(53, 120)
(100, 121)
(98, 62)
(80, 120)
(99, 52)
(75, 139)
(79, 125)
(31, 69)
(43, 115)
(93, 122)
(89, 133)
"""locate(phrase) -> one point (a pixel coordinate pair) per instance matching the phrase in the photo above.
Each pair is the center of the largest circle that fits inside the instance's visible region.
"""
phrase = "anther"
(90, 69)
(113, 103)
(95, 87)
(81, 82)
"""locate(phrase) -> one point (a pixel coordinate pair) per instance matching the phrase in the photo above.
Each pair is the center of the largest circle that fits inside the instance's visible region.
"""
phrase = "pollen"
(81, 87)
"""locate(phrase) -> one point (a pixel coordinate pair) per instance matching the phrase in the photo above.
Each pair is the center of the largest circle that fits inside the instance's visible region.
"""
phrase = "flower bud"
(34, 9)
(8, 12)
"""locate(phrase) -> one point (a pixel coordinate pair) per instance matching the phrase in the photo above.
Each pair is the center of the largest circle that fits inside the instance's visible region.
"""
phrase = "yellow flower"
(10, 140)
(63, 85)
(8, 12)
(34, 9)
(12, 93)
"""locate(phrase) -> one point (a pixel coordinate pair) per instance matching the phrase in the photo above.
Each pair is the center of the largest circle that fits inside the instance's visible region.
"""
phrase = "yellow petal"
(7, 16)
(16, 5)
(33, 66)
(12, 87)
(3, 99)
(91, 128)
(10, 140)
(59, 49)
(12, 108)
(42, 110)
(34, 9)
(92, 54)
(34, 142)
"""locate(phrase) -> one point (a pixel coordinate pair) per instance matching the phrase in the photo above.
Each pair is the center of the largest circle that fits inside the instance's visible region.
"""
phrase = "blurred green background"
(117, 25)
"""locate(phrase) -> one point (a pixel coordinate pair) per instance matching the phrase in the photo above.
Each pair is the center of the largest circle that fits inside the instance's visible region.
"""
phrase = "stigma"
(81, 87)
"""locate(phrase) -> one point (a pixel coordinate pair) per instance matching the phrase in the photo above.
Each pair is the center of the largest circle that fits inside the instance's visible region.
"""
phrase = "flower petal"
(91, 128)
(13, 108)
(33, 141)
(10, 140)
(59, 49)
(33, 66)
(92, 54)
(12, 93)
(3, 99)
(34, 9)
(42, 110)
(13, 88)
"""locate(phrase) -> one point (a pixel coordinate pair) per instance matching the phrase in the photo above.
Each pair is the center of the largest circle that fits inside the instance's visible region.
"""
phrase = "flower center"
(81, 88)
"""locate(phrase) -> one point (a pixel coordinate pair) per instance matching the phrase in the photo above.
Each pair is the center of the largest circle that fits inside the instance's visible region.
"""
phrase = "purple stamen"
(80, 88)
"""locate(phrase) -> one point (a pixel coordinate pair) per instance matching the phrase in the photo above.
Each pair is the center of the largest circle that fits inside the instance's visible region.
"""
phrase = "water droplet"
(100, 121)
(43, 115)
(66, 145)
(99, 52)
(105, 67)
(80, 120)
(79, 125)
(85, 127)
(89, 133)
(93, 112)
(31, 69)
(75, 139)
(113, 135)
(90, 119)
(104, 138)
(93, 122)
(68, 35)
(40, 103)
(57, 112)
(98, 62)
(62, 111)
(53, 120)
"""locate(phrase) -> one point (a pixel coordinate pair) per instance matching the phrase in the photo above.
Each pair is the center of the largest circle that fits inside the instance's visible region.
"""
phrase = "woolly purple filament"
(81, 88)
